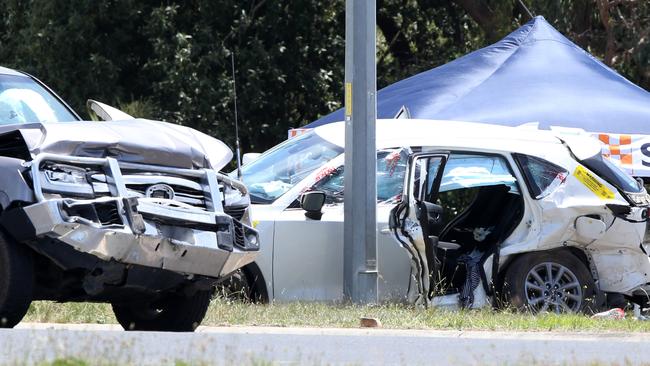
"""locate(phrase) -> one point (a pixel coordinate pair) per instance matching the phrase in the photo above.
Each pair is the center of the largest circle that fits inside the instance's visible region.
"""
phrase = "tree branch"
(398, 44)
(484, 16)
(606, 20)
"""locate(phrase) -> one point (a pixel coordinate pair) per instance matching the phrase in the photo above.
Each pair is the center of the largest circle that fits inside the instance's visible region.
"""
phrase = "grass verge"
(224, 313)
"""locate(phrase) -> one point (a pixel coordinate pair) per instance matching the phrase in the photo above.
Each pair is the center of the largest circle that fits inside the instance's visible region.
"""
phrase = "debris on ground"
(370, 323)
(614, 314)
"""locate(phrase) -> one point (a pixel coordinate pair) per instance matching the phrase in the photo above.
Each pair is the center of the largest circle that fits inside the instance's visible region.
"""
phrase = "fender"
(13, 186)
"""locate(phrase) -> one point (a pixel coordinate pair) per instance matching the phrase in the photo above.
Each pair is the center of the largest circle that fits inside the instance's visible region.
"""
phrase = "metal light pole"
(360, 215)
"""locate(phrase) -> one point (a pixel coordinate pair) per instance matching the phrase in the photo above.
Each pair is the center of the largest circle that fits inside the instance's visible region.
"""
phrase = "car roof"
(451, 134)
(6, 71)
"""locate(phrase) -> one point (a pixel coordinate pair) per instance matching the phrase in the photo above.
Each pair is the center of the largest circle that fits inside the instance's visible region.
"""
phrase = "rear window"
(542, 177)
(612, 174)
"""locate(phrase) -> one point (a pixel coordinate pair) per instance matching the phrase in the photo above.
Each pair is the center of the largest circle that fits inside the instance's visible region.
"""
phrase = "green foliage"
(171, 60)
(142, 108)
(68, 362)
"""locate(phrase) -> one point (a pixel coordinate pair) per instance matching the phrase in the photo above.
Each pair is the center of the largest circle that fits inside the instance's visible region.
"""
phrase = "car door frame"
(421, 250)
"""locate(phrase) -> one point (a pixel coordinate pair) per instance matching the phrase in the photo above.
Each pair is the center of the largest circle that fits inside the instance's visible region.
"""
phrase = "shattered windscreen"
(281, 168)
(22, 100)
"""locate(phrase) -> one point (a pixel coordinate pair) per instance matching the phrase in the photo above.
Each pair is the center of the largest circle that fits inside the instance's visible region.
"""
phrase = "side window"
(391, 167)
(542, 177)
(467, 171)
(426, 172)
(468, 176)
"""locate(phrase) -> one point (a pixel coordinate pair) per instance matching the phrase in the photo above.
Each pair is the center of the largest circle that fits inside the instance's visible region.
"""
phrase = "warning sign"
(593, 183)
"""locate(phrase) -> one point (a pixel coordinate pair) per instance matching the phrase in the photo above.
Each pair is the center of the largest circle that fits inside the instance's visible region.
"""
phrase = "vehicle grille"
(239, 234)
(108, 214)
(186, 190)
(237, 212)
(182, 194)
(103, 213)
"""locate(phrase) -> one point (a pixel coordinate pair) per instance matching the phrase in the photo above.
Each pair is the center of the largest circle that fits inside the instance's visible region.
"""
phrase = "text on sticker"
(593, 183)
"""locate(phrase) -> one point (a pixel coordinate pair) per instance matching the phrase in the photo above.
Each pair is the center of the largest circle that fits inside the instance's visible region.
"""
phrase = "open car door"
(416, 222)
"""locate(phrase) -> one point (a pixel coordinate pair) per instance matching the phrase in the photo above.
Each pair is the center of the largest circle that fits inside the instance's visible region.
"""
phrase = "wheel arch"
(257, 282)
(511, 289)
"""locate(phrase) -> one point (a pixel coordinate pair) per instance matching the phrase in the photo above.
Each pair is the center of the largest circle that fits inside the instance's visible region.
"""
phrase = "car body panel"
(137, 141)
(314, 250)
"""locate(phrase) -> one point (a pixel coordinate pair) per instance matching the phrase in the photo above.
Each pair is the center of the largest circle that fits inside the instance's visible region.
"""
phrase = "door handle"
(385, 230)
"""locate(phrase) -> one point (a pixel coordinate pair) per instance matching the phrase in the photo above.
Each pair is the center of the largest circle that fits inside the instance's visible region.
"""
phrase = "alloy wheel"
(553, 287)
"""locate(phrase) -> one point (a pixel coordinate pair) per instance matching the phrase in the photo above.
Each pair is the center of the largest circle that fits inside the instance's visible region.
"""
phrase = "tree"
(171, 60)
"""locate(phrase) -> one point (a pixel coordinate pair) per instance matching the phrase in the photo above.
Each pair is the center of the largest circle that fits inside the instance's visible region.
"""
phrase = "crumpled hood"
(135, 141)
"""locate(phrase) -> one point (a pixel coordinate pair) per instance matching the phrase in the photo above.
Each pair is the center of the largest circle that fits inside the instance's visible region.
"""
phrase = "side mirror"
(249, 157)
(107, 113)
(312, 202)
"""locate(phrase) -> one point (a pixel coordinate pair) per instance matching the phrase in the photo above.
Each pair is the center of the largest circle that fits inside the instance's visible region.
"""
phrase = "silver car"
(133, 213)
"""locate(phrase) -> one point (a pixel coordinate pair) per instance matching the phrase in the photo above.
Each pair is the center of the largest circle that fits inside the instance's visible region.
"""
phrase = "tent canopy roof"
(535, 74)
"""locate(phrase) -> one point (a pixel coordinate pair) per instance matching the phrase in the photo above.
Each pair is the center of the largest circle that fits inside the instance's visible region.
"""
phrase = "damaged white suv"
(465, 212)
(133, 213)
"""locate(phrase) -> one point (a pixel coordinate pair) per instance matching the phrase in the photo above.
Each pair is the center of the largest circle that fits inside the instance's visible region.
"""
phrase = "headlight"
(58, 173)
(66, 180)
(234, 197)
(639, 199)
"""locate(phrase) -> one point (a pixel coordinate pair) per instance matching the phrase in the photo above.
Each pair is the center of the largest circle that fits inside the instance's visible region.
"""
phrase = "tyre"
(174, 313)
(549, 282)
(16, 281)
(236, 288)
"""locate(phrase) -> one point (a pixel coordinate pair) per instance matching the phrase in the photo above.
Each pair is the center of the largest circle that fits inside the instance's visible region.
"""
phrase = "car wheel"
(174, 313)
(236, 288)
(549, 282)
(16, 281)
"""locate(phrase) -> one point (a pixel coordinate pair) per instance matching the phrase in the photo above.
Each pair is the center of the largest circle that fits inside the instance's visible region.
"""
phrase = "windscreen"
(281, 168)
(22, 100)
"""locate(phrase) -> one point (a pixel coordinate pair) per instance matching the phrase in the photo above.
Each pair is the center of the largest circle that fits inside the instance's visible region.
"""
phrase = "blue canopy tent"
(535, 74)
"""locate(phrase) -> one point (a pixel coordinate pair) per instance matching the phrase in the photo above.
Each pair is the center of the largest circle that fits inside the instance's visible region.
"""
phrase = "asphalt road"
(99, 344)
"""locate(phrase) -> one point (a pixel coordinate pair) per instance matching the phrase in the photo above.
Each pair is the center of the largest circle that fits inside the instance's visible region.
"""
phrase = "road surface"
(107, 344)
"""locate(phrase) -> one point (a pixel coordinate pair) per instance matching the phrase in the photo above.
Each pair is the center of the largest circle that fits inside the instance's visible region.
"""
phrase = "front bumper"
(144, 231)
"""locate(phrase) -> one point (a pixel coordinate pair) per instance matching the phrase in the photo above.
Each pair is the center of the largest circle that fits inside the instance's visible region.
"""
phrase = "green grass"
(51, 312)
(66, 362)
(79, 362)
(223, 313)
